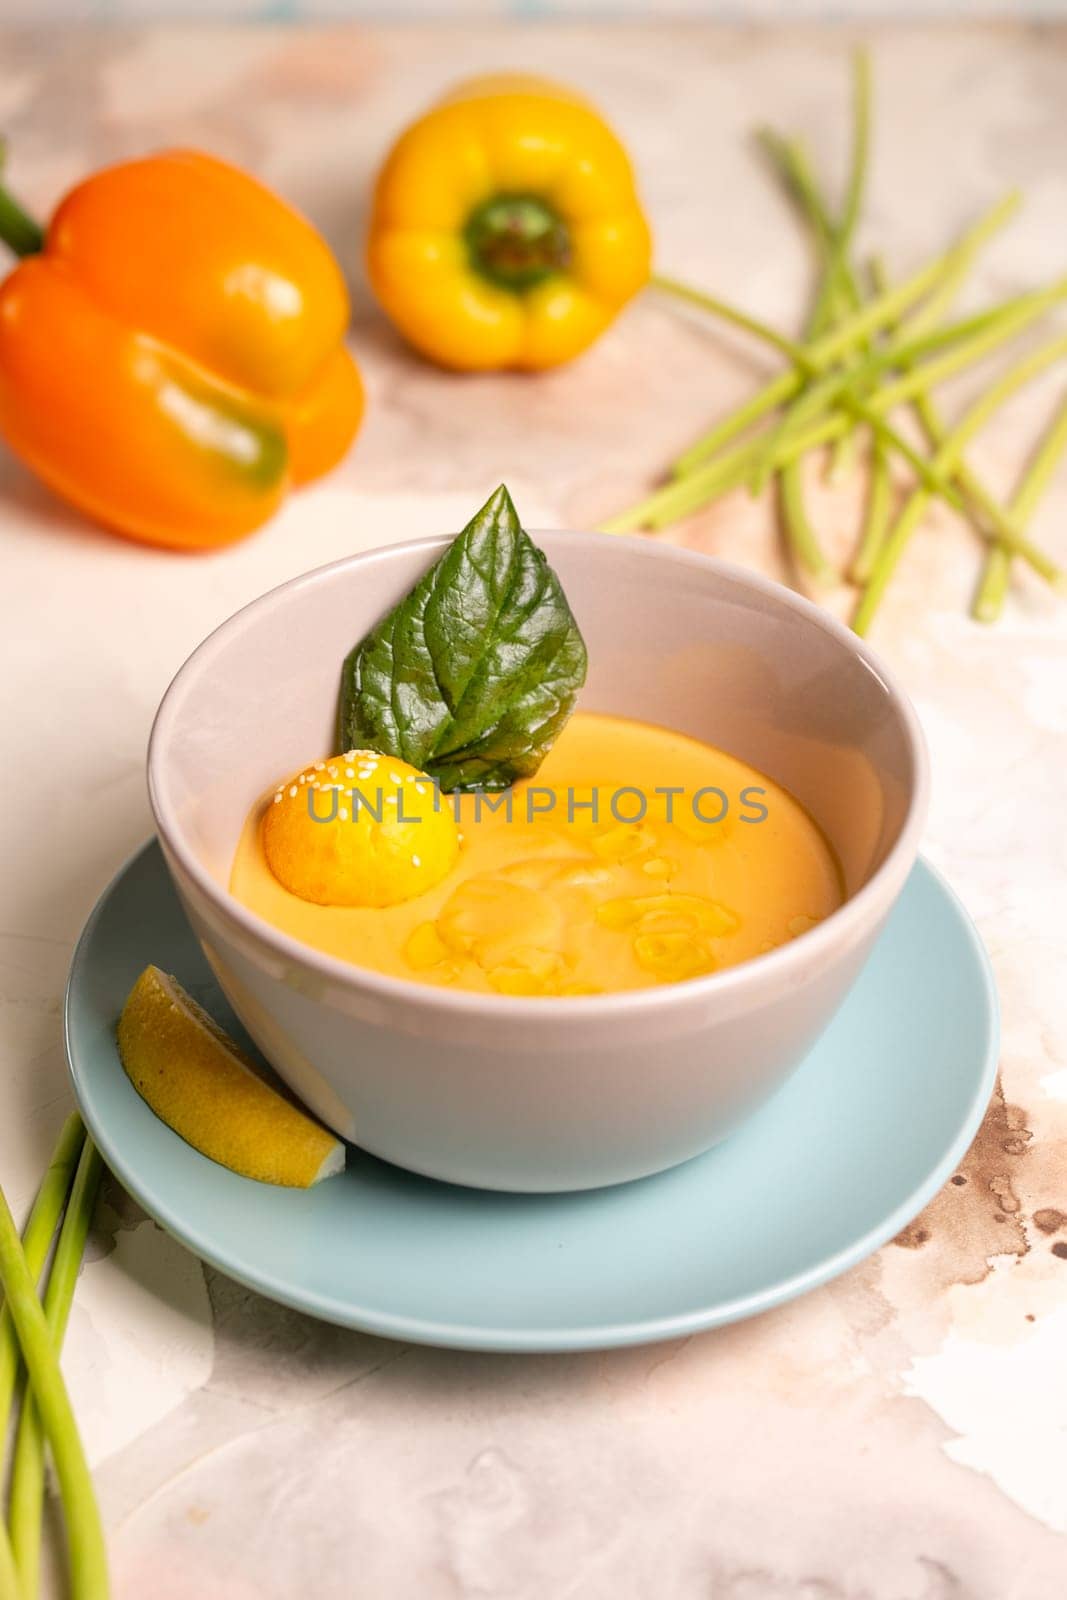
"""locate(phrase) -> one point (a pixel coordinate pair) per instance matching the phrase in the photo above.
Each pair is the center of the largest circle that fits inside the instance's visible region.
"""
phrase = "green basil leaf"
(473, 675)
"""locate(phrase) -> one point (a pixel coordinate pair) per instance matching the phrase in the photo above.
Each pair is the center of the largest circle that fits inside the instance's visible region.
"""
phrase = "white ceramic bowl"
(546, 1094)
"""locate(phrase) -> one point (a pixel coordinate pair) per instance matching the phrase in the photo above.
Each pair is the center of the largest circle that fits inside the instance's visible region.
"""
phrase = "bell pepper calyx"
(18, 230)
(517, 241)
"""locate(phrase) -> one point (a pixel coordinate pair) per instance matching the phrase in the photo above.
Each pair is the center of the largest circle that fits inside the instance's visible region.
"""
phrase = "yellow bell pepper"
(506, 229)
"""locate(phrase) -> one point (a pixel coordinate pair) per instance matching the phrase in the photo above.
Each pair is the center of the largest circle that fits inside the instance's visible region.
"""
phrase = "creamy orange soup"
(635, 857)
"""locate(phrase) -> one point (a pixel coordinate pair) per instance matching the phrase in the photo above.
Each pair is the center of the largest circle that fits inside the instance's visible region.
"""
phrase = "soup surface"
(635, 857)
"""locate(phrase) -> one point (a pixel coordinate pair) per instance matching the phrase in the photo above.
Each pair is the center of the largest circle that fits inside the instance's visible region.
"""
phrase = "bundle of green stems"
(37, 1277)
(871, 348)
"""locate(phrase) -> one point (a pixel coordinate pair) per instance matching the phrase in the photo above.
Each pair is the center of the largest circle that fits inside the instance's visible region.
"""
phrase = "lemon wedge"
(201, 1084)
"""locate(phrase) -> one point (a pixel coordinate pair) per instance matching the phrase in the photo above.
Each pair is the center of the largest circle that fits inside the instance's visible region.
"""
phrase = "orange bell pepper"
(171, 355)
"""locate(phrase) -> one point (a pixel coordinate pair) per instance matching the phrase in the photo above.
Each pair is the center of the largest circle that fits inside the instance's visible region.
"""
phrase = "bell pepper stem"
(18, 230)
(517, 240)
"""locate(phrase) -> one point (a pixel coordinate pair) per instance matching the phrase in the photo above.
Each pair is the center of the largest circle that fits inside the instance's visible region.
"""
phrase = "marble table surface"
(900, 1434)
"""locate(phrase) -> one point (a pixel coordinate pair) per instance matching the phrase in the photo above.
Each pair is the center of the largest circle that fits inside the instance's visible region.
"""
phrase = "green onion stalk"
(1010, 520)
(691, 472)
(862, 355)
(947, 460)
(879, 505)
(879, 510)
(977, 502)
(36, 1242)
(973, 338)
(992, 590)
(824, 352)
(85, 1540)
(28, 1465)
(836, 297)
(683, 496)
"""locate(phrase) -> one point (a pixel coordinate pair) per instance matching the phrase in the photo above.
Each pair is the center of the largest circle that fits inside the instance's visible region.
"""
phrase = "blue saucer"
(862, 1136)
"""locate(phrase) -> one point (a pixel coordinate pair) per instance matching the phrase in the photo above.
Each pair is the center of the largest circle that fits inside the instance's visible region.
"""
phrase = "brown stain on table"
(984, 1211)
(978, 1214)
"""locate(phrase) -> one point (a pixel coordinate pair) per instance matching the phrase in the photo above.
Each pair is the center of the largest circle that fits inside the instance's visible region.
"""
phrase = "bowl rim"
(747, 980)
